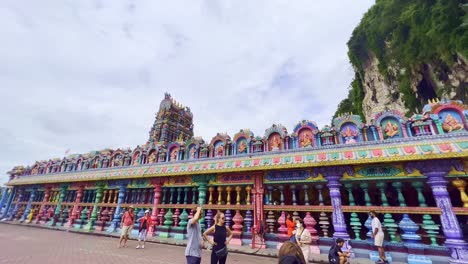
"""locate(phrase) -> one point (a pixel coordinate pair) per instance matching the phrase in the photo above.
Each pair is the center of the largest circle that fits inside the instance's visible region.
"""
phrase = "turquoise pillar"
(28, 206)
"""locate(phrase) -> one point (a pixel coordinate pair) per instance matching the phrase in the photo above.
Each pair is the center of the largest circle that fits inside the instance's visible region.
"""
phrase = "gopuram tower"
(173, 122)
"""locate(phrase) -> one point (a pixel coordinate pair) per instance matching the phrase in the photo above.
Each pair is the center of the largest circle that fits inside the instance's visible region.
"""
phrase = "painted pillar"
(53, 220)
(5, 195)
(436, 172)
(9, 202)
(28, 207)
(374, 133)
(97, 200)
(117, 217)
(11, 215)
(74, 214)
(44, 200)
(202, 182)
(333, 177)
(157, 183)
(258, 191)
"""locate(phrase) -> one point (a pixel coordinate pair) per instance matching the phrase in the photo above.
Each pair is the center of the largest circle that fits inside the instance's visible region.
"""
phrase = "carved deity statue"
(219, 151)
(242, 147)
(192, 152)
(152, 157)
(275, 143)
(174, 153)
(451, 124)
(305, 140)
(349, 135)
(136, 161)
(391, 129)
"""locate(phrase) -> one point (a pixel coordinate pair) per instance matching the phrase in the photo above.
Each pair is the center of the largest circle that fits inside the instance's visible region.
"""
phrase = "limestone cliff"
(406, 52)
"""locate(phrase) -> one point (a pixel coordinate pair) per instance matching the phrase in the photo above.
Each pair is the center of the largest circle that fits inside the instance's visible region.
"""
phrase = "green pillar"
(354, 221)
(431, 228)
(58, 208)
(388, 221)
(92, 220)
(202, 182)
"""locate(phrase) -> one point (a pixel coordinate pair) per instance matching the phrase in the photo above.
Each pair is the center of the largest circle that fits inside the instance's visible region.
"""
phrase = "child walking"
(143, 230)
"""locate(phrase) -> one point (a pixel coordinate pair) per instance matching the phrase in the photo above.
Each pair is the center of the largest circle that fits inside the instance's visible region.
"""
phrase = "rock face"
(431, 80)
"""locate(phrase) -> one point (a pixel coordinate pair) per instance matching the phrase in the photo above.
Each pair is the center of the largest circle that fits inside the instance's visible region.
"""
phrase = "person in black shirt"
(220, 239)
(335, 255)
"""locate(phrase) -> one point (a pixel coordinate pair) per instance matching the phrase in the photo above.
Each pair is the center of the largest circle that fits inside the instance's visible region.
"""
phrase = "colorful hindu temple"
(413, 171)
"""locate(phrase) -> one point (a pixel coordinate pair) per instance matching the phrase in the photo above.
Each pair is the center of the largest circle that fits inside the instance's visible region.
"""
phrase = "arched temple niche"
(390, 124)
(242, 142)
(276, 138)
(219, 145)
(193, 148)
(304, 134)
(136, 156)
(117, 158)
(152, 154)
(105, 160)
(451, 114)
(174, 152)
(95, 163)
(348, 126)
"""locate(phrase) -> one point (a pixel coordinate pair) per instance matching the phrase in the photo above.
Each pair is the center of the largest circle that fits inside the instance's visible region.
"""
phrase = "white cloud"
(86, 75)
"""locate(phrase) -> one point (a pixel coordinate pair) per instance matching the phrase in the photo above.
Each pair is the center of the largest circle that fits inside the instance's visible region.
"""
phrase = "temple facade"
(412, 171)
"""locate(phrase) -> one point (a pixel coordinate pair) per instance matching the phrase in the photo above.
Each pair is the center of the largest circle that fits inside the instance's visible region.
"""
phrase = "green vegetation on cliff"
(406, 34)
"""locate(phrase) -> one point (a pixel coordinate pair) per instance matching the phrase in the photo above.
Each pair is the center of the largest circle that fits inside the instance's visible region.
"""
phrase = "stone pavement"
(22, 244)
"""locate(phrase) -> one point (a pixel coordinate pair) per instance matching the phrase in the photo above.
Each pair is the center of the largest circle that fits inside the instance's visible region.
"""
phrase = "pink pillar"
(45, 200)
(237, 232)
(155, 213)
(74, 214)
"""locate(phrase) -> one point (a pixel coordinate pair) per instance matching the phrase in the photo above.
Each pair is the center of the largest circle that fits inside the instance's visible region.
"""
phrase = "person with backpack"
(145, 222)
(126, 225)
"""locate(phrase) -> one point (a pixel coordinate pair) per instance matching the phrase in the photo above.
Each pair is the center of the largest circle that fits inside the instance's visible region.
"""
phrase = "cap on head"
(147, 212)
(131, 206)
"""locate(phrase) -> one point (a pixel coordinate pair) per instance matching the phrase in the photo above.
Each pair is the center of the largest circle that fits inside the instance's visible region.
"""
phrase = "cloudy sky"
(86, 75)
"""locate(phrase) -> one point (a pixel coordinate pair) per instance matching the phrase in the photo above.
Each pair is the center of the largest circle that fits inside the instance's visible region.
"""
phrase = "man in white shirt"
(378, 236)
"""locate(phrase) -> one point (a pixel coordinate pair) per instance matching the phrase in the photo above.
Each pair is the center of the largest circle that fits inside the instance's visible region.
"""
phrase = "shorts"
(193, 260)
(378, 240)
(126, 231)
(142, 235)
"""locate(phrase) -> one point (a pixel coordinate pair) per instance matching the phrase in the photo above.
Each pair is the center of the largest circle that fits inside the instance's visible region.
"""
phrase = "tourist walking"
(145, 222)
(336, 255)
(290, 224)
(378, 236)
(290, 253)
(126, 225)
(303, 238)
(222, 235)
(193, 251)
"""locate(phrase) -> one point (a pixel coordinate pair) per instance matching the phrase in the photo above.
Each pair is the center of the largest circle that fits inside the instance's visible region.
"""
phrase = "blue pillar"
(17, 205)
(10, 200)
(5, 194)
(117, 218)
(28, 207)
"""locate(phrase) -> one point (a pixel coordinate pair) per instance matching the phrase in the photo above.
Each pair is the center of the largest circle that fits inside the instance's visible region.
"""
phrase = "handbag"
(220, 253)
(293, 239)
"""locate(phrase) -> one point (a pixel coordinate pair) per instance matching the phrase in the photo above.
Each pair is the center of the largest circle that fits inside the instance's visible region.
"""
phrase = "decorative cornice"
(454, 147)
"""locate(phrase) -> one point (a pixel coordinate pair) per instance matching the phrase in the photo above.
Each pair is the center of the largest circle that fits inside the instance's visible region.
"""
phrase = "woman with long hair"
(222, 235)
(303, 238)
(290, 253)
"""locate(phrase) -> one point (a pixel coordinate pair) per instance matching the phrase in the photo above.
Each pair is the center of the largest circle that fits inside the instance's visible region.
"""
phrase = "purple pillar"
(333, 176)
(435, 171)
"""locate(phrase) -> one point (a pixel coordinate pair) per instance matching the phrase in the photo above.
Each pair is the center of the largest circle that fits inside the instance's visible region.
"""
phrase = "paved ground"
(20, 244)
